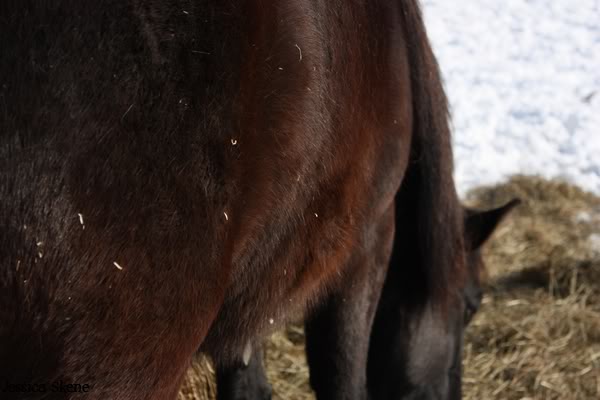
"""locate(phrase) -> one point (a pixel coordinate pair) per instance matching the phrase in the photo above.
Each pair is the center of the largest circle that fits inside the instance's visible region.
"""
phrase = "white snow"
(523, 78)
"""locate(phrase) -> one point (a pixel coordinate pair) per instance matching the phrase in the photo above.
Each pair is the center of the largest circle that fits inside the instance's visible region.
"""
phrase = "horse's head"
(416, 352)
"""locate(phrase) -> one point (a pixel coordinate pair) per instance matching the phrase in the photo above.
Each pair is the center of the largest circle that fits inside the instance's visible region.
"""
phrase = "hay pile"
(537, 335)
(199, 382)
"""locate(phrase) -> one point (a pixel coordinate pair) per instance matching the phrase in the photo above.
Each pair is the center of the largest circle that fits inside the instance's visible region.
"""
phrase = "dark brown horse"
(179, 175)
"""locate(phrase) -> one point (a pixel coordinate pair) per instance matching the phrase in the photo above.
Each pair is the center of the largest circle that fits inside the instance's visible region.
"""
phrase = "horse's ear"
(479, 225)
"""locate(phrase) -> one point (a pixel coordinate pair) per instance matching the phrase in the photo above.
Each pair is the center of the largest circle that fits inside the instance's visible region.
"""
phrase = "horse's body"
(182, 175)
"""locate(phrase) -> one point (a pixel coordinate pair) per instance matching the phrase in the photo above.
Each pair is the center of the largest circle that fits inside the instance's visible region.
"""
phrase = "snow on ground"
(523, 78)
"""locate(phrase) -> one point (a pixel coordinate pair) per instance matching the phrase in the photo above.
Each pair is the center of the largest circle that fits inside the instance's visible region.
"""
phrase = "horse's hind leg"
(337, 334)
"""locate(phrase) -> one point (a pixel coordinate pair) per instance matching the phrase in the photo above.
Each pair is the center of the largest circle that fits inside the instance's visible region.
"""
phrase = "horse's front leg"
(246, 380)
(337, 334)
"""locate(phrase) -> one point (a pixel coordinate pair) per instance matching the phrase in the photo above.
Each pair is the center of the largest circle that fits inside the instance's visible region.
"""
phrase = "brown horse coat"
(181, 175)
